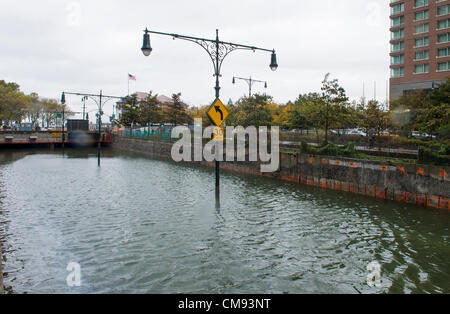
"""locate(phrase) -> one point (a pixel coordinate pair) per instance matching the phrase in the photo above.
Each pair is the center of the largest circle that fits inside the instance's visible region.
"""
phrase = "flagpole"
(128, 85)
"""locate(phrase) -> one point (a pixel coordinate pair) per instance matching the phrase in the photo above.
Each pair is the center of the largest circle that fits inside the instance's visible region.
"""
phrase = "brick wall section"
(424, 185)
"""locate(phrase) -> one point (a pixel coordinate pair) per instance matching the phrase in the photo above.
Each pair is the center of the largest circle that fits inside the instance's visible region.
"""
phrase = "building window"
(443, 52)
(421, 15)
(397, 34)
(398, 8)
(422, 42)
(422, 55)
(397, 21)
(443, 24)
(443, 38)
(420, 3)
(421, 68)
(398, 59)
(445, 9)
(397, 72)
(443, 66)
(422, 28)
(396, 47)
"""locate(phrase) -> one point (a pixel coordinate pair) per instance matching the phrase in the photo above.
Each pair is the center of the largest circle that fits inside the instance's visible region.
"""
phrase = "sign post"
(217, 113)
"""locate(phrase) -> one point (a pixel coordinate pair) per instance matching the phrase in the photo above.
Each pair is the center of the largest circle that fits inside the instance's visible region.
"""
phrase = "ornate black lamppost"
(217, 51)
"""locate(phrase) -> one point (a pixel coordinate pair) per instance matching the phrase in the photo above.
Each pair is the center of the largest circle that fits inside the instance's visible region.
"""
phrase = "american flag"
(131, 77)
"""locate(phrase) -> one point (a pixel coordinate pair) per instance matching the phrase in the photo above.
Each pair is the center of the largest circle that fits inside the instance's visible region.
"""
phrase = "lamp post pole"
(217, 88)
(99, 144)
(63, 128)
(250, 83)
(217, 51)
(63, 104)
(100, 103)
(84, 106)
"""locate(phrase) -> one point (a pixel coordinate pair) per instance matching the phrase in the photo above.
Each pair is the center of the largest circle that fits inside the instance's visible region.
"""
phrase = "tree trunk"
(326, 126)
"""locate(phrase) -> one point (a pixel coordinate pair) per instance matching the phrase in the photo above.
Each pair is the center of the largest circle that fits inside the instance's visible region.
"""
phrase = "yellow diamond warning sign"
(217, 112)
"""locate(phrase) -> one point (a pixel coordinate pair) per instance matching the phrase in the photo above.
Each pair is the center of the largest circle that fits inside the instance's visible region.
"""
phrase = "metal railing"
(159, 133)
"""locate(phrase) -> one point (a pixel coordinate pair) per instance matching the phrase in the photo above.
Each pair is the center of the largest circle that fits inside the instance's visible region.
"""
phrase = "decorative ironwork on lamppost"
(217, 50)
(250, 83)
(102, 100)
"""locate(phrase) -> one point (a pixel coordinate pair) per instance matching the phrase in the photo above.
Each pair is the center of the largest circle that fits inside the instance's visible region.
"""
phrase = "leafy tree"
(149, 110)
(130, 110)
(201, 111)
(423, 111)
(335, 100)
(436, 118)
(13, 102)
(34, 108)
(405, 110)
(280, 114)
(372, 117)
(176, 112)
(305, 113)
(50, 108)
(253, 111)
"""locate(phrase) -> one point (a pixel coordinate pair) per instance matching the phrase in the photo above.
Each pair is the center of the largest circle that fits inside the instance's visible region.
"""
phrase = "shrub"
(445, 150)
(427, 155)
(329, 149)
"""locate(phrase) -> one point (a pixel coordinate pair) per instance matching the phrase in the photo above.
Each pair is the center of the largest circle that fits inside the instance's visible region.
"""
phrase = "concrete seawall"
(423, 185)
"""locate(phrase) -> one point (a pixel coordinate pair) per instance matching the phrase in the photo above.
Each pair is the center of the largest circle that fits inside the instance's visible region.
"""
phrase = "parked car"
(356, 132)
(416, 134)
(388, 133)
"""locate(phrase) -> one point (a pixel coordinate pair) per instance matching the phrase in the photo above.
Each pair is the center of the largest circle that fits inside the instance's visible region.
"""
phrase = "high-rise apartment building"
(420, 44)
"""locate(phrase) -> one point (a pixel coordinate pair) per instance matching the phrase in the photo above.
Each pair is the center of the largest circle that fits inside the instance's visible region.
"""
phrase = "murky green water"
(138, 225)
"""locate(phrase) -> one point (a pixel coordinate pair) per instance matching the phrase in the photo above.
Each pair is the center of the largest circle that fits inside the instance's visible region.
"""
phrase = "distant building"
(420, 45)
(161, 98)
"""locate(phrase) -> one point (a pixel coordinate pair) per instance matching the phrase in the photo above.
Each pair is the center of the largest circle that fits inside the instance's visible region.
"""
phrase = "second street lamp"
(217, 51)
(250, 83)
(100, 103)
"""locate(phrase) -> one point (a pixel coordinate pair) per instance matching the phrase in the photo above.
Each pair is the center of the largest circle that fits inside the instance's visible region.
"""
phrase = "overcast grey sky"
(52, 45)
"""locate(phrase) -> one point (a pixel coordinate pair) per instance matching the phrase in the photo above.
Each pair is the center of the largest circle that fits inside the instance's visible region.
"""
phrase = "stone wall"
(424, 185)
(9, 137)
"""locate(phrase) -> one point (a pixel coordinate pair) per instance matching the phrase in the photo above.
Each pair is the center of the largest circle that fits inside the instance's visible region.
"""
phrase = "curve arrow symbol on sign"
(220, 111)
